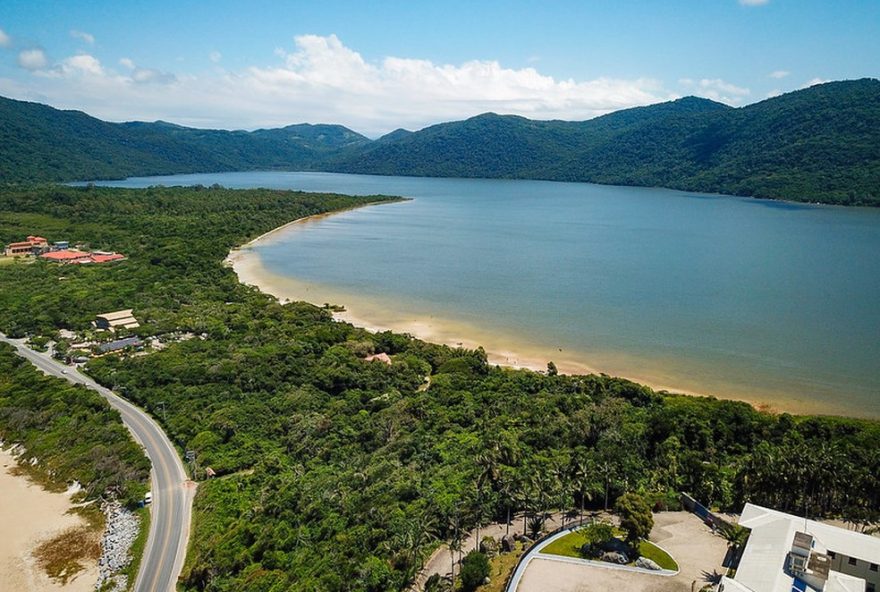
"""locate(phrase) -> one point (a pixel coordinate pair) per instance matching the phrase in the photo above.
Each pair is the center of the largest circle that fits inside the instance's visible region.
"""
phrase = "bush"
(474, 570)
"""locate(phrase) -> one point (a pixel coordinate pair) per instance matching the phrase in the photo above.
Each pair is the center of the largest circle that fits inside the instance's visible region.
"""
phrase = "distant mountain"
(39, 143)
(817, 144)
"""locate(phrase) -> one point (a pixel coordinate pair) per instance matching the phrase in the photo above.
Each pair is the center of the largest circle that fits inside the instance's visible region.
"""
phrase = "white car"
(148, 498)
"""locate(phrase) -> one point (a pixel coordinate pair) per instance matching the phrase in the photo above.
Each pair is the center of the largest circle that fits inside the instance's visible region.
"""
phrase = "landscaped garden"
(627, 545)
(581, 543)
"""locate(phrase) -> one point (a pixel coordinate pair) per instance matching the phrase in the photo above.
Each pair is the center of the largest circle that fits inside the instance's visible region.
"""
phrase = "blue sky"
(376, 66)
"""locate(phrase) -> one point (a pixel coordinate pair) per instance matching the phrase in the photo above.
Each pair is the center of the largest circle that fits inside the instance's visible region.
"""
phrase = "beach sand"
(513, 351)
(30, 515)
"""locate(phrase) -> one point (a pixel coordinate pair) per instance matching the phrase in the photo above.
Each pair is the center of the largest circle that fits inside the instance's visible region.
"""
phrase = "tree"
(736, 537)
(474, 570)
(635, 517)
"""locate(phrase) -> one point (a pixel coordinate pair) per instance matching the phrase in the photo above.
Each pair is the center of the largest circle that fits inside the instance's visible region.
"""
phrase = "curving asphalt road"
(171, 510)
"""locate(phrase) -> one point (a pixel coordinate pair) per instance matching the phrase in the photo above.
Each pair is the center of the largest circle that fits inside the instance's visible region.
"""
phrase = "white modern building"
(785, 553)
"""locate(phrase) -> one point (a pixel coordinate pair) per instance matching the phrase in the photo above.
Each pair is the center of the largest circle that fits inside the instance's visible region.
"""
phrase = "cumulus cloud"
(321, 80)
(83, 36)
(814, 82)
(32, 59)
(215, 56)
(5, 40)
(716, 89)
(779, 74)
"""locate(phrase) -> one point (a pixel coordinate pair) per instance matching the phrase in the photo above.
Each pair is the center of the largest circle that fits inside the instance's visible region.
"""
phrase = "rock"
(121, 530)
(507, 543)
(614, 557)
(646, 563)
(489, 546)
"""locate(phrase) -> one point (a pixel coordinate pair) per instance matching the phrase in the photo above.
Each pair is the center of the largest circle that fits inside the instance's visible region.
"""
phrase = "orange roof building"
(32, 245)
(383, 357)
(73, 256)
(66, 256)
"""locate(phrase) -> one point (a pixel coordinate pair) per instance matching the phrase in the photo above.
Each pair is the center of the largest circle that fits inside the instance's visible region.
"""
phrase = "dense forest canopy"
(818, 144)
(71, 431)
(340, 474)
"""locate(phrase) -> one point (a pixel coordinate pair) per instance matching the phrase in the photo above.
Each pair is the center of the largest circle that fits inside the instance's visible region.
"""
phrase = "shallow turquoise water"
(754, 299)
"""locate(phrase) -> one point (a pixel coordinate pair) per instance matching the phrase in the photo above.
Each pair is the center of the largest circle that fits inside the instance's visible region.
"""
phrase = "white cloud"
(151, 75)
(32, 59)
(773, 93)
(754, 2)
(777, 74)
(814, 82)
(5, 40)
(322, 80)
(83, 64)
(83, 36)
(716, 89)
(215, 56)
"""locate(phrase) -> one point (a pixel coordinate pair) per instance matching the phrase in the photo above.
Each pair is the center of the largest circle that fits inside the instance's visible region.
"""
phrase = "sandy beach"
(513, 351)
(30, 515)
(368, 315)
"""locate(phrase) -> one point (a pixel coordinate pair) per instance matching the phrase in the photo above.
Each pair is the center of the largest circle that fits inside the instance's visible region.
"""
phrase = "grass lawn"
(567, 546)
(651, 551)
(570, 545)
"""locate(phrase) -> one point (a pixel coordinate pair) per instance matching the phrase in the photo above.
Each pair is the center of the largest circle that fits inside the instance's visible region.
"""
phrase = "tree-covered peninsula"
(334, 473)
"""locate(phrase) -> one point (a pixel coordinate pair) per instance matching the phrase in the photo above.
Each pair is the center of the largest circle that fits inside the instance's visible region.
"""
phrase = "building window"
(832, 554)
(869, 587)
(852, 561)
(873, 567)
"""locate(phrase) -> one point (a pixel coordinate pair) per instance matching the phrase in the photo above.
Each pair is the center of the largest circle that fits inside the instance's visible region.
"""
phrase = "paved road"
(172, 492)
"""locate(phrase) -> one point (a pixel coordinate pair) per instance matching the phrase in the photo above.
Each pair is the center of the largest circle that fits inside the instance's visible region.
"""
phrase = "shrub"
(474, 570)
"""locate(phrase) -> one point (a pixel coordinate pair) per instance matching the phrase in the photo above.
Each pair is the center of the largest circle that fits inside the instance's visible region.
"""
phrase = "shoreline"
(31, 516)
(247, 265)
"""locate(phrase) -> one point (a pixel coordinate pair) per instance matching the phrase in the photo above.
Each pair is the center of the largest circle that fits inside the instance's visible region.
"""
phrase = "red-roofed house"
(31, 246)
(383, 357)
(105, 257)
(75, 257)
(67, 256)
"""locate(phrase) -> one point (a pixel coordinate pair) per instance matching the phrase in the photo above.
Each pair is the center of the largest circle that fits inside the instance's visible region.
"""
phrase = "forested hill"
(39, 143)
(817, 144)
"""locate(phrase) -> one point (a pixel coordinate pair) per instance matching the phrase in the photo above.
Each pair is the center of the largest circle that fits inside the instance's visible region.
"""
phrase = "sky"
(381, 65)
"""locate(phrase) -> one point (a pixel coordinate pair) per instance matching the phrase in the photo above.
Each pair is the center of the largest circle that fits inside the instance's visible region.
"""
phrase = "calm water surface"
(753, 299)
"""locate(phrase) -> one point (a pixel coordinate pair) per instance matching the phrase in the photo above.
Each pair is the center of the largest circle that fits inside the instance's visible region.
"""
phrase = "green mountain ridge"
(818, 144)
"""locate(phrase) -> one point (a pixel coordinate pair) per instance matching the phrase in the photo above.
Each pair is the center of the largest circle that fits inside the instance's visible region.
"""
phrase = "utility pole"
(164, 417)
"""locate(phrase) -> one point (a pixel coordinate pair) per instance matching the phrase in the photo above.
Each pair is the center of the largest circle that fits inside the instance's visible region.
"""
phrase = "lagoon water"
(771, 302)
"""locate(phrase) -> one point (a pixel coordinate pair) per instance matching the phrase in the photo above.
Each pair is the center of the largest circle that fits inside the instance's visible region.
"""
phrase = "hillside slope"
(39, 143)
(817, 144)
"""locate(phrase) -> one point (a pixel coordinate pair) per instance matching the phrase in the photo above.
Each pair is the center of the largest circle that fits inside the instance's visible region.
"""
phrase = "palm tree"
(582, 477)
(736, 537)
